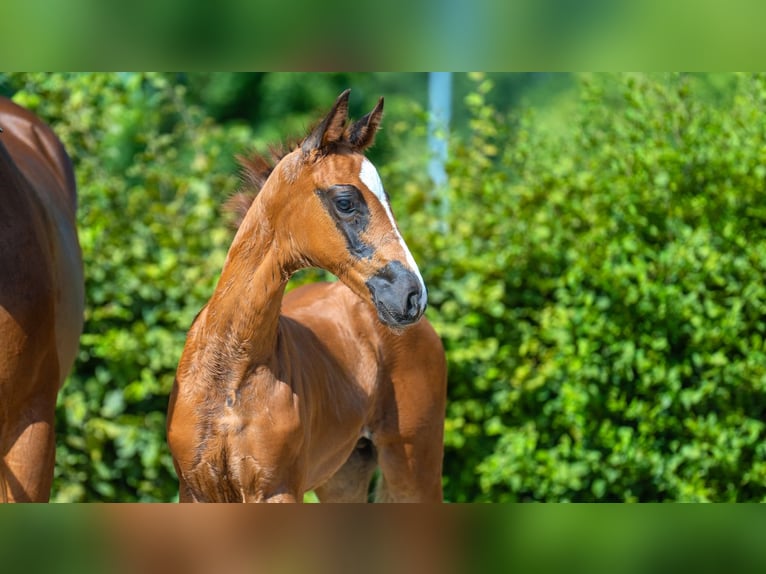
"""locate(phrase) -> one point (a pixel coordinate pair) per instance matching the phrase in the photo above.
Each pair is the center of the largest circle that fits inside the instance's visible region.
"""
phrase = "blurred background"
(594, 247)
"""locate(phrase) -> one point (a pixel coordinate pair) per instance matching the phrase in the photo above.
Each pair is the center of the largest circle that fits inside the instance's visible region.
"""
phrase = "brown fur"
(277, 395)
(41, 298)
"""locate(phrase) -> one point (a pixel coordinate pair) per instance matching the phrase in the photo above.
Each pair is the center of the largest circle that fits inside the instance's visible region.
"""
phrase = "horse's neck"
(243, 313)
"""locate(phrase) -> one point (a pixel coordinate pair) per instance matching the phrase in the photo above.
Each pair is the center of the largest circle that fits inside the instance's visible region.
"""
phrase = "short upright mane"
(254, 170)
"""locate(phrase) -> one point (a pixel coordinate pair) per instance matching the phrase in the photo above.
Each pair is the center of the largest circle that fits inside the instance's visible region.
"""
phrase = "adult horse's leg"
(27, 440)
(29, 453)
(352, 482)
(29, 382)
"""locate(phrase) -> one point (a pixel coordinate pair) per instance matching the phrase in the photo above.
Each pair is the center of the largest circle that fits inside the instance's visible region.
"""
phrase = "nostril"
(413, 301)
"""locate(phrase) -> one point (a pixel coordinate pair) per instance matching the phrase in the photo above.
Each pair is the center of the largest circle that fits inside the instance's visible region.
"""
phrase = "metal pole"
(439, 109)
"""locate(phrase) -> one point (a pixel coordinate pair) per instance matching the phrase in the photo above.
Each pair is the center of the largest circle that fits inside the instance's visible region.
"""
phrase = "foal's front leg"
(264, 459)
(269, 483)
(411, 468)
(409, 436)
(242, 481)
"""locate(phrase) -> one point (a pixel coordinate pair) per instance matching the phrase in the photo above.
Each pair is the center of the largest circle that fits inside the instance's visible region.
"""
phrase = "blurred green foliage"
(600, 293)
(595, 270)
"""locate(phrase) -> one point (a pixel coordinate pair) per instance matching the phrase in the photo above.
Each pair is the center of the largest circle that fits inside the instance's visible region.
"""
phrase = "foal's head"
(328, 209)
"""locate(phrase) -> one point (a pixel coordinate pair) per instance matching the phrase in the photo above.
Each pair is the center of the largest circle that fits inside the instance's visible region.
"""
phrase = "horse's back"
(41, 255)
(39, 154)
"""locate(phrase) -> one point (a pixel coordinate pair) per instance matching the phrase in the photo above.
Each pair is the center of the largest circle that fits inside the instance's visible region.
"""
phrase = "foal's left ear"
(361, 134)
(330, 129)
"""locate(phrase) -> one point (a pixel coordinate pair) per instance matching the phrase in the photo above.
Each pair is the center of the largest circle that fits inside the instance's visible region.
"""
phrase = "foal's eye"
(344, 204)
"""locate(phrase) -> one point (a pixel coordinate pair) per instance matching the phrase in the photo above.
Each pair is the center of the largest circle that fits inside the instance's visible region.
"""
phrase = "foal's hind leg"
(352, 482)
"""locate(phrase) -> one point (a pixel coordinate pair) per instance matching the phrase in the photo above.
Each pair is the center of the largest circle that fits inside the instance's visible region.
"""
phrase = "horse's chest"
(268, 436)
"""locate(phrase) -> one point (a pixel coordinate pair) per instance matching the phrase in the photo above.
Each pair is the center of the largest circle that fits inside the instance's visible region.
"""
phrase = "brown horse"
(277, 396)
(41, 297)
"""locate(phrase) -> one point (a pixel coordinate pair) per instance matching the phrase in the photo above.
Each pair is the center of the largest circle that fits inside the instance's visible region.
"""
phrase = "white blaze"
(370, 177)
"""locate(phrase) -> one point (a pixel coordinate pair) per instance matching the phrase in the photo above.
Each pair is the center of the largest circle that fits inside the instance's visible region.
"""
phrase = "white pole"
(439, 109)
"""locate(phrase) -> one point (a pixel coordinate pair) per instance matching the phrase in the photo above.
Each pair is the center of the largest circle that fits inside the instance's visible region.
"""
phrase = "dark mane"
(254, 170)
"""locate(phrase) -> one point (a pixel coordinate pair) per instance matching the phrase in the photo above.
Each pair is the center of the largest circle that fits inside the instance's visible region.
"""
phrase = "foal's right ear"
(361, 134)
(330, 129)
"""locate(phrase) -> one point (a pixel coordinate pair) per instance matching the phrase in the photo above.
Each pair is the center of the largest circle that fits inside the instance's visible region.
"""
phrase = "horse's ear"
(330, 129)
(361, 134)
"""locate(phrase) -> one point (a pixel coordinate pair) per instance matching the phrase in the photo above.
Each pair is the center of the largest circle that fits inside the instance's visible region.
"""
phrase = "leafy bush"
(600, 293)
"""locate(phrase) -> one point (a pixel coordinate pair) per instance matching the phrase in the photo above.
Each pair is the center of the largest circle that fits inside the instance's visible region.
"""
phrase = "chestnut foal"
(277, 395)
(41, 298)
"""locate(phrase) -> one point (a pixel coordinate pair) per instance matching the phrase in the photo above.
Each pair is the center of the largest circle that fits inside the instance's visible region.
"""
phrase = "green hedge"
(595, 269)
(601, 294)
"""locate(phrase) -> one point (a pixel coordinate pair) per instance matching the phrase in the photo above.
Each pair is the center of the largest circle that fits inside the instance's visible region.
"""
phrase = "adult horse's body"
(41, 297)
(347, 377)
